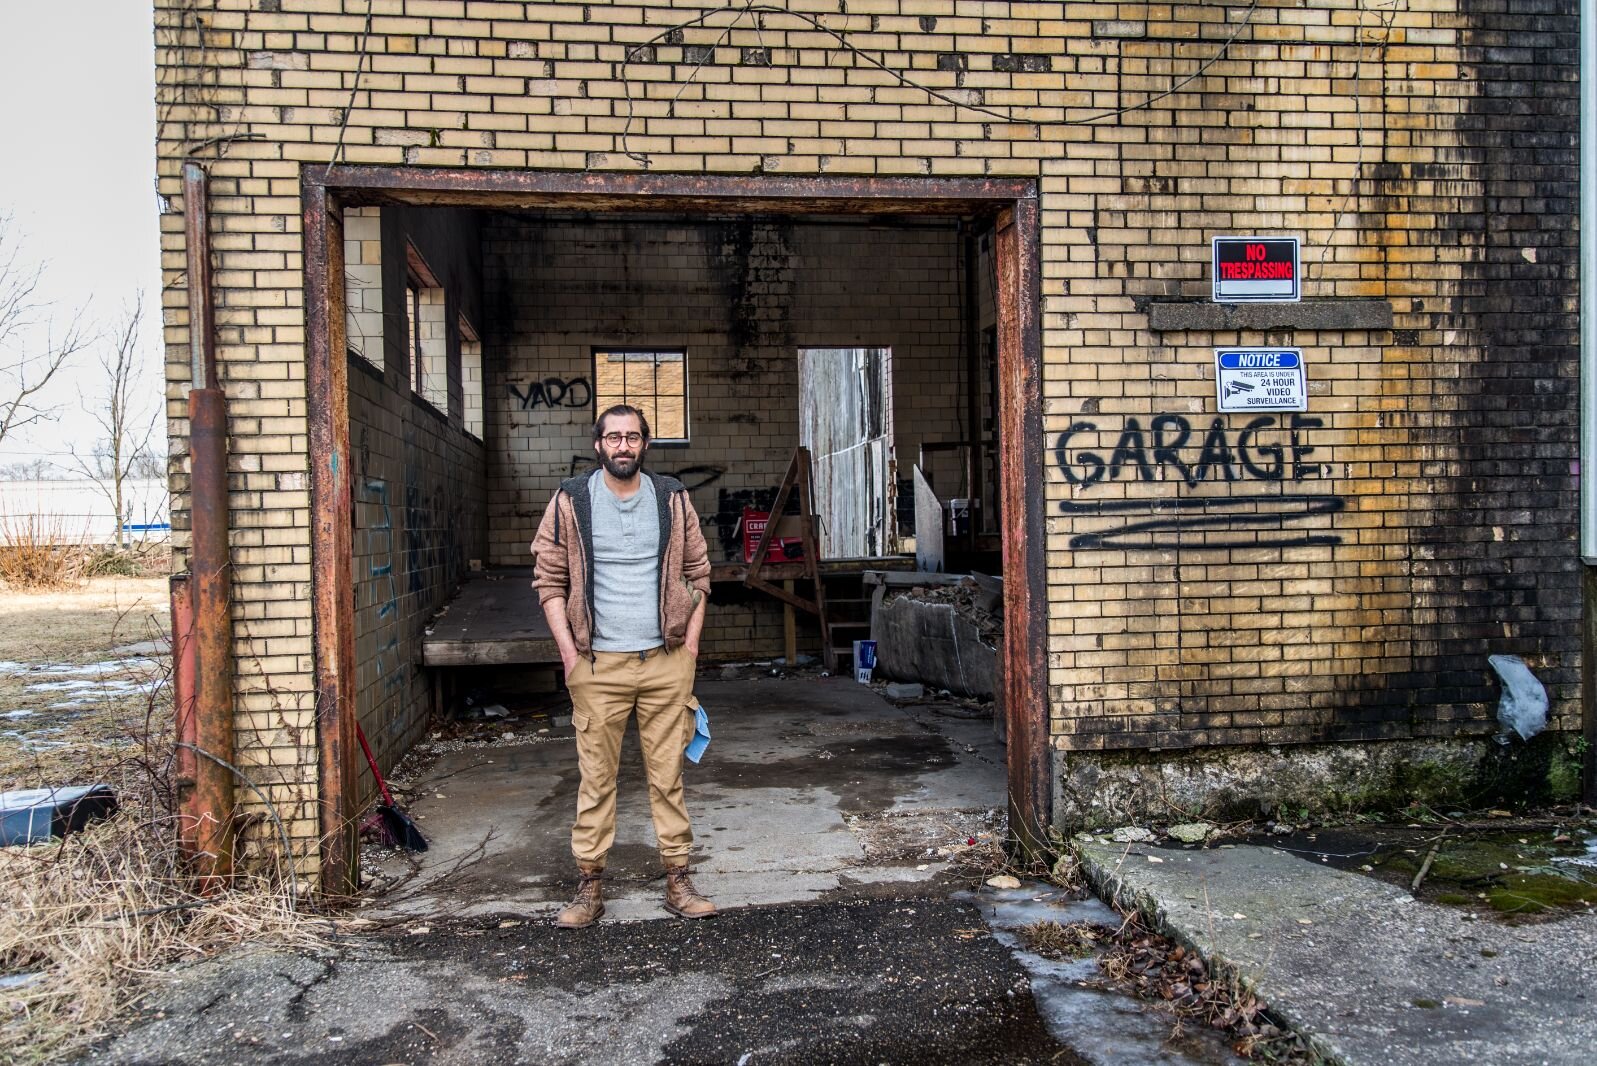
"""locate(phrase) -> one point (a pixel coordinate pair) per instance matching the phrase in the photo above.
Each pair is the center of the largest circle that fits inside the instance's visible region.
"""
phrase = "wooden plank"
(737, 572)
(911, 579)
(490, 653)
(789, 626)
(491, 621)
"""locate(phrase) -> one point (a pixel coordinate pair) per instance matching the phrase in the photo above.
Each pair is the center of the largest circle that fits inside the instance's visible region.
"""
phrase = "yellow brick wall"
(1373, 131)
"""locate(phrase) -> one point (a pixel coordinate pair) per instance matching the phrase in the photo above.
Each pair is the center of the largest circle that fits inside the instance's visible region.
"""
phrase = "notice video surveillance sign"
(1256, 268)
(1260, 379)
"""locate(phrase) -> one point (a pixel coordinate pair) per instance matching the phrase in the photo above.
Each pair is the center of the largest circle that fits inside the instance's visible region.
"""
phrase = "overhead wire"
(1009, 116)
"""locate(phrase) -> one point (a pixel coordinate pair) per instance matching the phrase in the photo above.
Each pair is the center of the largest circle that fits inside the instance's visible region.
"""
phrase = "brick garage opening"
(480, 316)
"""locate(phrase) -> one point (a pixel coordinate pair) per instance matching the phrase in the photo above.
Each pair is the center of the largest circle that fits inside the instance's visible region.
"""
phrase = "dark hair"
(620, 409)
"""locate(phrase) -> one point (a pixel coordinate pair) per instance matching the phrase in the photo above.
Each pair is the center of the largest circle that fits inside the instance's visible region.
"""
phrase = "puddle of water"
(1106, 1028)
(1516, 874)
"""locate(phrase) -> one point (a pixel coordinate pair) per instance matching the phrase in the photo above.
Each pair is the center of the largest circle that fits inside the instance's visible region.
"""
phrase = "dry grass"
(39, 552)
(85, 922)
(77, 725)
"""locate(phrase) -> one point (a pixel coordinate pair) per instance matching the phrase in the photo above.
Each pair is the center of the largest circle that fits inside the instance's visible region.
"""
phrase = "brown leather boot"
(681, 898)
(587, 905)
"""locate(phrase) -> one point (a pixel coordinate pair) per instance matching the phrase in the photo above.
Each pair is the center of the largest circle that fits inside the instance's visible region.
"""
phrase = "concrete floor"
(812, 788)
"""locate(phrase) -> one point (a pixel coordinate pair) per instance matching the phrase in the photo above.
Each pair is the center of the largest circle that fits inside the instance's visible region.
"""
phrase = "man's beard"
(621, 469)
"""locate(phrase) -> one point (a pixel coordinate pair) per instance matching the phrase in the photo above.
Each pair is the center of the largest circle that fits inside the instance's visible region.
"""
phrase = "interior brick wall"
(740, 298)
(418, 485)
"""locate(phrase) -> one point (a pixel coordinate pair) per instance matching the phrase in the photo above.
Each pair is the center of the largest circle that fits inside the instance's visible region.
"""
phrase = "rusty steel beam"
(972, 341)
(579, 190)
(186, 725)
(197, 245)
(1588, 684)
(1025, 665)
(332, 567)
(1020, 421)
(211, 581)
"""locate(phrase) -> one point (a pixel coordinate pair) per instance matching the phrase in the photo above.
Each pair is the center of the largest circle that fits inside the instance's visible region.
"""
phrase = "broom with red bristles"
(392, 826)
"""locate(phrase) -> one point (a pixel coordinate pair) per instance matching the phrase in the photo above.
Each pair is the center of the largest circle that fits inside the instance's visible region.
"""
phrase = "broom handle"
(360, 734)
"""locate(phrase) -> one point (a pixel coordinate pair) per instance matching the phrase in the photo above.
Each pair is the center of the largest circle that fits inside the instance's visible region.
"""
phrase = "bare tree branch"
(26, 363)
(126, 431)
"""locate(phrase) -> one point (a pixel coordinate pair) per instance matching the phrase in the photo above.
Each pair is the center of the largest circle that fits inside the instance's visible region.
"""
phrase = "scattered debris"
(904, 690)
(35, 815)
(1132, 834)
(1003, 881)
(970, 602)
(1191, 832)
(1523, 707)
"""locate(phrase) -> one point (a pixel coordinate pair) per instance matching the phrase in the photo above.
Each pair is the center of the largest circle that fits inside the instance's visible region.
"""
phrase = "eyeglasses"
(615, 439)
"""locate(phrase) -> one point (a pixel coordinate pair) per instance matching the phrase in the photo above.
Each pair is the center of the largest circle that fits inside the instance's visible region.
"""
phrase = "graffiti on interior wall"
(384, 589)
(1268, 449)
(431, 522)
(554, 392)
(698, 477)
(692, 477)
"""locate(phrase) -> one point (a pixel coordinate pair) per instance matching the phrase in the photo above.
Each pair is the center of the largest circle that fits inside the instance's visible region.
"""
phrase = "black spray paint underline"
(1237, 520)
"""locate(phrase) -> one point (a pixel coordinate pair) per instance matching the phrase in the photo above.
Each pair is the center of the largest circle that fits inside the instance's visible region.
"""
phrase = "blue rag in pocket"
(701, 735)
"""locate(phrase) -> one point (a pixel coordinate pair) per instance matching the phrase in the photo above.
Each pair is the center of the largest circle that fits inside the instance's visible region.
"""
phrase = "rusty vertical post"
(209, 811)
(972, 330)
(1025, 681)
(1588, 683)
(184, 757)
(211, 579)
(197, 242)
(332, 552)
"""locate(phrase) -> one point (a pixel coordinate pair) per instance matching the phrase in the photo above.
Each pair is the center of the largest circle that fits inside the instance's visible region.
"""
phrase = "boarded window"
(655, 382)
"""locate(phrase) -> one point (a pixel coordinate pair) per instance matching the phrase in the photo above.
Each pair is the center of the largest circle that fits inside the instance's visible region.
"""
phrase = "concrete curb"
(1366, 974)
(1115, 890)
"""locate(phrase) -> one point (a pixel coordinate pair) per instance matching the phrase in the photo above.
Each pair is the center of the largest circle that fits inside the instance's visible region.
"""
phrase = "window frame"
(656, 350)
(420, 279)
(468, 335)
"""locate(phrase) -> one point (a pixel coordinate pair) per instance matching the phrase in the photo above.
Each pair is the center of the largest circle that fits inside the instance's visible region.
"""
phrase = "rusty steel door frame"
(1009, 204)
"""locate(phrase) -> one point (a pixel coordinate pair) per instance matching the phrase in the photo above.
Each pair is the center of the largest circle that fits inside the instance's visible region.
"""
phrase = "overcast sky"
(77, 177)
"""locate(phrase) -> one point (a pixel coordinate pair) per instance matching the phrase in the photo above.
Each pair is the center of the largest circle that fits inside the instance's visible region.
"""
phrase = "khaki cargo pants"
(604, 693)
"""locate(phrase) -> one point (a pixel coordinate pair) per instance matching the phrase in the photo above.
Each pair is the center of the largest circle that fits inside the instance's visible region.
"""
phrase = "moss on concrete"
(1312, 782)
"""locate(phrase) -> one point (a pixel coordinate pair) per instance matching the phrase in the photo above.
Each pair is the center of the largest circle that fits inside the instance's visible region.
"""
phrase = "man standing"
(623, 575)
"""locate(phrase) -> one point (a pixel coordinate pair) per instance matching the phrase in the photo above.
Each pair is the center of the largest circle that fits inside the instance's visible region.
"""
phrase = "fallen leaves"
(1156, 968)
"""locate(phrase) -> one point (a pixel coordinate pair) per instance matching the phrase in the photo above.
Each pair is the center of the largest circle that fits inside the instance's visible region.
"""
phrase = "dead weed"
(87, 922)
(1053, 940)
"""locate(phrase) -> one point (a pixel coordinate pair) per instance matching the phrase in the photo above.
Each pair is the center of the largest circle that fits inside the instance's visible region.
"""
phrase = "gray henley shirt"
(626, 568)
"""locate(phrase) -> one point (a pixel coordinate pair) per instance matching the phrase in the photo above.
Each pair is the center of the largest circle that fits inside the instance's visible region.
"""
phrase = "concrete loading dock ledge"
(427, 221)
